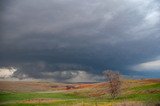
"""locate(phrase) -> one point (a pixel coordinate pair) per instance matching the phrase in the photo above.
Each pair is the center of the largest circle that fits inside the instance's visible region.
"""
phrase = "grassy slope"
(24, 96)
(137, 93)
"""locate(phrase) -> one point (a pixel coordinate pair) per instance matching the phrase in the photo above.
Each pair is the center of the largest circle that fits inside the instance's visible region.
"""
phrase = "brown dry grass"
(35, 86)
(25, 86)
(40, 100)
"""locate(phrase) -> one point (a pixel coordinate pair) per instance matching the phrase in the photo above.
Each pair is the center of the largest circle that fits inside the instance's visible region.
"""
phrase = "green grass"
(67, 103)
(74, 98)
(146, 87)
(67, 98)
(26, 96)
(141, 97)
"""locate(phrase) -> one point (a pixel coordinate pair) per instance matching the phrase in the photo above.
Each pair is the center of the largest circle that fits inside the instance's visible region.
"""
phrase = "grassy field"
(134, 93)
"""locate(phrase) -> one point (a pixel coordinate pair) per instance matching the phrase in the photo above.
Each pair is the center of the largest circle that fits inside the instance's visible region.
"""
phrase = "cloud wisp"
(148, 66)
(7, 72)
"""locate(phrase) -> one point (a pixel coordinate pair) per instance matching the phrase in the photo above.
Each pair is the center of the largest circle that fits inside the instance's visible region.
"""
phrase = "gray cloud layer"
(89, 35)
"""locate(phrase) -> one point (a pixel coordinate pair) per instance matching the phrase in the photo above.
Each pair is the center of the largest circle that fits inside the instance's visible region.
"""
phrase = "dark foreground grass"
(60, 103)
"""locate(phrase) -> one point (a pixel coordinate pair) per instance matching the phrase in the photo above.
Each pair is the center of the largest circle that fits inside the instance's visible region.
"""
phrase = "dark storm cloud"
(89, 35)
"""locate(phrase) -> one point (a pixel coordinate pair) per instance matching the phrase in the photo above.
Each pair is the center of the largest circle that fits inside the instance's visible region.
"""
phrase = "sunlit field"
(133, 93)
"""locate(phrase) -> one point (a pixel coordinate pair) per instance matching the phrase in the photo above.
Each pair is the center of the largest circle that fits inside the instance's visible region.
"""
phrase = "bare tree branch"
(113, 77)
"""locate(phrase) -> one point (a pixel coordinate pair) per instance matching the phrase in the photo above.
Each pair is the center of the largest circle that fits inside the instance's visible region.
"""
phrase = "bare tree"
(113, 77)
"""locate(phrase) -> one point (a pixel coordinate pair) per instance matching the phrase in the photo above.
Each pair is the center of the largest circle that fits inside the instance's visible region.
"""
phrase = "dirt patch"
(129, 104)
(136, 103)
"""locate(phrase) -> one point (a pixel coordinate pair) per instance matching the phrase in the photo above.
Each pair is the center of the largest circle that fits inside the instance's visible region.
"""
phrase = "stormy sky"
(76, 40)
